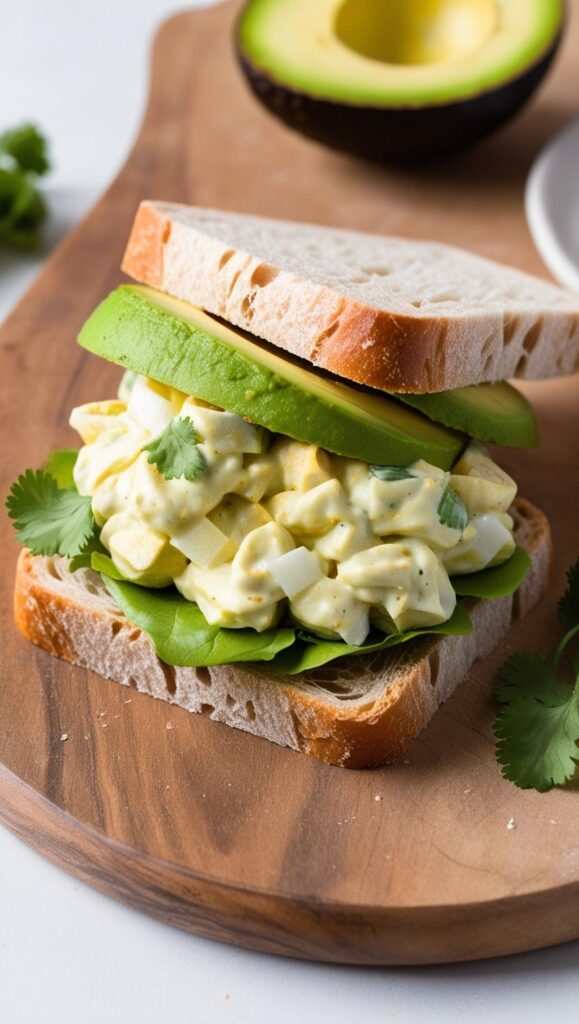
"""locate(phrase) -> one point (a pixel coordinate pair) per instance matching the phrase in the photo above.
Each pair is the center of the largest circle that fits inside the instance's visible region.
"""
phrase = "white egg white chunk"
(482, 485)
(95, 418)
(149, 407)
(203, 543)
(142, 555)
(270, 527)
(485, 542)
(330, 608)
(224, 432)
(295, 570)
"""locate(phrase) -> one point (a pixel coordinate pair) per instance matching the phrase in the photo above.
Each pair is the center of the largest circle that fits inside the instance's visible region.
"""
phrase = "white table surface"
(66, 952)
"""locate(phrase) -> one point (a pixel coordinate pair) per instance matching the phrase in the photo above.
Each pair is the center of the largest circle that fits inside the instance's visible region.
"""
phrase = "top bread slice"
(393, 314)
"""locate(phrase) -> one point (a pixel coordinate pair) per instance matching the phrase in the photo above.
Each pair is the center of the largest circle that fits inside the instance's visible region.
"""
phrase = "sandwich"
(289, 518)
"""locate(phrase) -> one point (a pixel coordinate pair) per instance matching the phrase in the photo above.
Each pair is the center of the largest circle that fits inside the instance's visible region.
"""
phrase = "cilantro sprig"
(49, 520)
(23, 158)
(452, 510)
(391, 472)
(538, 726)
(175, 451)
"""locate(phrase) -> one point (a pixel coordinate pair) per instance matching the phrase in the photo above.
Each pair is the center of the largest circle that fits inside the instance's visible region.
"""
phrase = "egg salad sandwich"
(288, 518)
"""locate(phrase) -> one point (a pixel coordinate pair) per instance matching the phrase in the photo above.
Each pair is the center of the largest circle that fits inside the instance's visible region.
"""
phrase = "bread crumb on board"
(64, 737)
(511, 824)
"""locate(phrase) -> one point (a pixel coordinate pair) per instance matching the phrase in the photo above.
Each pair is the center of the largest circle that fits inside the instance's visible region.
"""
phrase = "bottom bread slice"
(359, 712)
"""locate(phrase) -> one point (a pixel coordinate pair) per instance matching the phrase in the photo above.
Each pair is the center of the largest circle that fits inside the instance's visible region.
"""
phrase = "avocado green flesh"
(488, 412)
(176, 344)
(397, 52)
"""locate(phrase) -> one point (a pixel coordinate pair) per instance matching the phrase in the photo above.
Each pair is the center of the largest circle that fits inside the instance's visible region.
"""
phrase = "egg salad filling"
(261, 527)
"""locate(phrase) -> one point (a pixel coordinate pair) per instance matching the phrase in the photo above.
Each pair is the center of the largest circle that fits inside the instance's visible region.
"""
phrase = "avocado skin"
(402, 135)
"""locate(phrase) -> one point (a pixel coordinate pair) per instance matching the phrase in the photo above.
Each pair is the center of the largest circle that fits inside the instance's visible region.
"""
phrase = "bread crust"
(394, 694)
(391, 351)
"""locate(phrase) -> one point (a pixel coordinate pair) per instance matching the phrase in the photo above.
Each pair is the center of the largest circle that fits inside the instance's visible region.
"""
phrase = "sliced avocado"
(397, 79)
(488, 412)
(176, 344)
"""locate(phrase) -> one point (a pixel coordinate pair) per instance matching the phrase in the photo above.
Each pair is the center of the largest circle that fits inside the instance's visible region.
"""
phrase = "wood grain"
(215, 831)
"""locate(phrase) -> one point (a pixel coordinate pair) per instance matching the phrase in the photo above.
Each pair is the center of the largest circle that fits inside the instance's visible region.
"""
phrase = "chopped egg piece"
(330, 608)
(149, 407)
(482, 485)
(203, 543)
(237, 517)
(295, 570)
(303, 466)
(312, 512)
(346, 538)
(142, 555)
(223, 431)
(93, 419)
(485, 542)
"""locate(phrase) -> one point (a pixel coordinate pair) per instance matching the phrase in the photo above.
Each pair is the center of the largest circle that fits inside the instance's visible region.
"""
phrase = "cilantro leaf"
(84, 558)
(568, 606)
(537, 743)
(391, 472)
(49, 520)
(27, 147)
(22, 209)
(175, 451)
(538, 726)
(452, 510)
(60, 465)
(23, 156)
(530, 676)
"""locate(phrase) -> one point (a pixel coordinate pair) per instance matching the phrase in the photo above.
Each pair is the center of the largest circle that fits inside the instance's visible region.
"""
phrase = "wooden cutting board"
(434, 859)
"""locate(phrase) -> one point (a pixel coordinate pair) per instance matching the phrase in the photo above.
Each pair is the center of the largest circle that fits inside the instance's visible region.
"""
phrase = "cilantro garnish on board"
(175, 451)
(538, 727)
(23, 158)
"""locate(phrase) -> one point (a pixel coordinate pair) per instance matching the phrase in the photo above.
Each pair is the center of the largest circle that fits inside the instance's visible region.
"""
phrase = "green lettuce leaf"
(60, 465)
(101, 561)
(499, 581)
(84, 558)
(310, 652)
(182, 636)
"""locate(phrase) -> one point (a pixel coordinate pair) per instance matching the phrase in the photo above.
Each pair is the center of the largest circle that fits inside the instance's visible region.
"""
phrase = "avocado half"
(397, 80)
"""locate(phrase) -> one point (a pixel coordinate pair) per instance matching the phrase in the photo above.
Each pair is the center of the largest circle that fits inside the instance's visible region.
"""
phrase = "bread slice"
(359, 712)
(387, 312)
